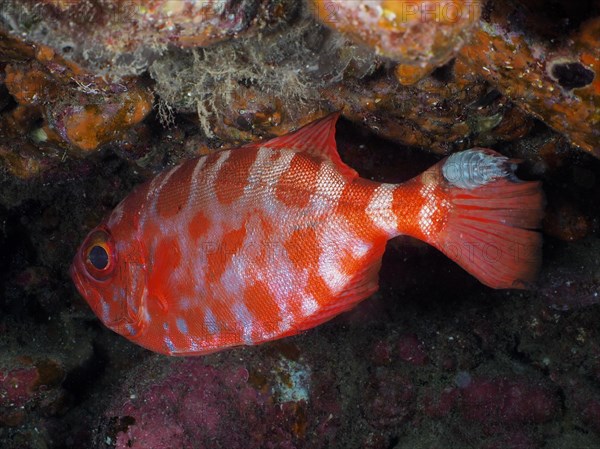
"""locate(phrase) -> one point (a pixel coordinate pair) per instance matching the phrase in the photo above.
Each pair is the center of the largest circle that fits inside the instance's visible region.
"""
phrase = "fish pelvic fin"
(476, 211)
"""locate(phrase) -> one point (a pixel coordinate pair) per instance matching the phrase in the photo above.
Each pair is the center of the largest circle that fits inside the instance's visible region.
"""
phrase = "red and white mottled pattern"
(251, 244)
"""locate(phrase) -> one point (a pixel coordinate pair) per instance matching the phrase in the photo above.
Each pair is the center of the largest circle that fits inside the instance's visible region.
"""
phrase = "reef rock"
(420, 35)
(544, 61)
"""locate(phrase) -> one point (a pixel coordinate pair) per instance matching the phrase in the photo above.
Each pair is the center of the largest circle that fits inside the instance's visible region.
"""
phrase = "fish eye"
(99, 254)
(98, 257)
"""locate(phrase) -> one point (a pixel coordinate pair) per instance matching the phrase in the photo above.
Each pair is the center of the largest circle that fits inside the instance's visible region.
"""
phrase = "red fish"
(261, 242)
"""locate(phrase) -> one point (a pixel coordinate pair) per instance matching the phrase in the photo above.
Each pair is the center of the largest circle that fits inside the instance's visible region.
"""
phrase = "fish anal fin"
(362, 285)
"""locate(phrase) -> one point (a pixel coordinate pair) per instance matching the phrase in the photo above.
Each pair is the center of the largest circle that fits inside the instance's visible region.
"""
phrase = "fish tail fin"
(480, 215)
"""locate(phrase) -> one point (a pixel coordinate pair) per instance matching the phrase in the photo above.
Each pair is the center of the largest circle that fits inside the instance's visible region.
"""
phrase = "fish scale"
(234, 315)
(261, 242)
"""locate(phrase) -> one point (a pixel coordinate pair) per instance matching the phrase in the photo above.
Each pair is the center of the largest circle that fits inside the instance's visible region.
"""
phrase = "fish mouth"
(78, 280)
(75, 276)
(86, 291)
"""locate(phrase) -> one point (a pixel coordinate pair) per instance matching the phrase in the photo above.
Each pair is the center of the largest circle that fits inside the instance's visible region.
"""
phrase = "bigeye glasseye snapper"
(261, 242)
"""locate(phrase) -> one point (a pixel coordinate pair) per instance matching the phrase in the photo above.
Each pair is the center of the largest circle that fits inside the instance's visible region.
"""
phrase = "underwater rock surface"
(97, 96)
(442, 75)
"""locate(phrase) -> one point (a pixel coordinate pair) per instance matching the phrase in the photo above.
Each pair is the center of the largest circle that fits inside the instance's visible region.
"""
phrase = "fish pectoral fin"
(160, 300)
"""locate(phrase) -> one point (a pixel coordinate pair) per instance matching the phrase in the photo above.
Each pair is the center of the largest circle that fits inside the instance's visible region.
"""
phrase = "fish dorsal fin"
(317, 139)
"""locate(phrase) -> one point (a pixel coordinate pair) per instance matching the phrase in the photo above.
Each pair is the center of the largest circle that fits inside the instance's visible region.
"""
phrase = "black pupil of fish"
(98, 257)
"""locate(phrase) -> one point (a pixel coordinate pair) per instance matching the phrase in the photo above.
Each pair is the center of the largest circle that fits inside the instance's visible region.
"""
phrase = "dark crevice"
(517, 354)
(82, 380)
(572, 75)
(489, 98)
(118, 424)
(394, 440)
(445, 73)
(7, 101)
(553, 19)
